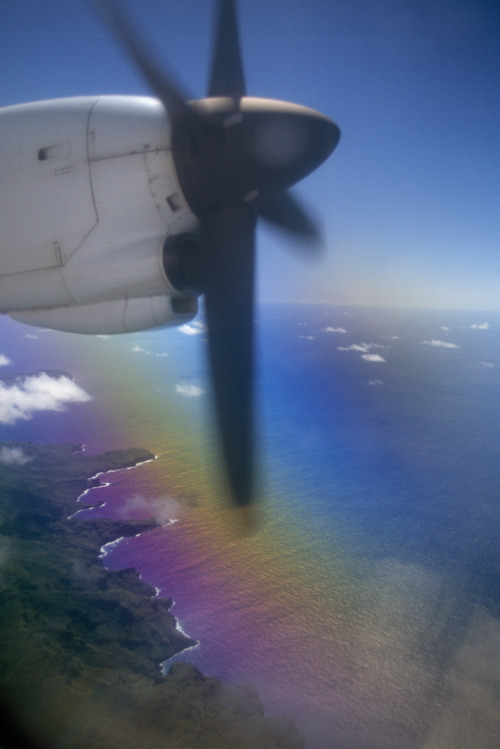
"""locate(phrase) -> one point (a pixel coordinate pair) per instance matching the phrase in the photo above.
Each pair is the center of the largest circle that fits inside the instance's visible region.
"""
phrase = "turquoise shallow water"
(366, 603)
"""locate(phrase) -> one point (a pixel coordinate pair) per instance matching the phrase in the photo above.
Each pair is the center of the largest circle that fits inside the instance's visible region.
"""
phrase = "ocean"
(365, 602)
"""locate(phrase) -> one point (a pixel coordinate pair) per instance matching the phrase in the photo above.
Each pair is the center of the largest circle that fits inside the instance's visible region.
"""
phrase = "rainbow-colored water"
(364, 604)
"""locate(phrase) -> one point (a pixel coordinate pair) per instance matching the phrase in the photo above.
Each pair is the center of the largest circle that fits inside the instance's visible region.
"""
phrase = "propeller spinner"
(235, 157)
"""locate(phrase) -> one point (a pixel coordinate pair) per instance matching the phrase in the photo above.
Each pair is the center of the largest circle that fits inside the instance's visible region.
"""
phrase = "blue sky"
(410, 200)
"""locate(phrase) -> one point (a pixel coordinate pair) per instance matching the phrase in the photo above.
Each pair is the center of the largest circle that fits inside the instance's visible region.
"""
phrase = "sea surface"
(363, 600)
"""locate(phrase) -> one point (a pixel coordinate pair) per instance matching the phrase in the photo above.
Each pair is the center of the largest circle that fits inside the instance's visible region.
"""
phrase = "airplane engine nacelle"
(88, 197)
(117, 316)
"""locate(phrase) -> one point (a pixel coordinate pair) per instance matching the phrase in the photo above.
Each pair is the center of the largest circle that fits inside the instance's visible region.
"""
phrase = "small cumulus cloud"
(375, 383)
(14, 456)
(331, 329)
(195, 328)
(4, 361)
(27, 395)
(160, 509)
(479, 326)
(373, 357)
(364, 348)
(158, 355)
(487, 364)
(439, 344)
(82, 573)
(353, 347)
(444, 327)
(188, 391)
(33, 337)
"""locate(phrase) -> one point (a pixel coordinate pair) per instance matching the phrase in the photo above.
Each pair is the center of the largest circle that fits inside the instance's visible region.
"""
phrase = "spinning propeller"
(235, 158)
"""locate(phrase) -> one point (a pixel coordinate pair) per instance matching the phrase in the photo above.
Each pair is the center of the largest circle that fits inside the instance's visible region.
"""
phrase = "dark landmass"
(81, 645)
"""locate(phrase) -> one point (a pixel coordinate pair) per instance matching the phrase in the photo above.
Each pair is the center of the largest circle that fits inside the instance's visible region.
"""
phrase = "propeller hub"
(248, 150)
(235, 158)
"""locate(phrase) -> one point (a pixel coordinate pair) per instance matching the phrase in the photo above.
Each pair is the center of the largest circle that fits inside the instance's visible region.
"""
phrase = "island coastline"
(82, 645)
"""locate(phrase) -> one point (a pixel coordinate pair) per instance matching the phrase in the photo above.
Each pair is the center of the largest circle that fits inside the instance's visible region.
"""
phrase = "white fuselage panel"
(46, 205)
(88, 194)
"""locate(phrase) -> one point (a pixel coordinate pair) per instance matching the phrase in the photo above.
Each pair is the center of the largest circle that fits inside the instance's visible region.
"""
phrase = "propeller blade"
(162, 81)
(228, 238)
(227, 77)
(285, 212)
(230, 168)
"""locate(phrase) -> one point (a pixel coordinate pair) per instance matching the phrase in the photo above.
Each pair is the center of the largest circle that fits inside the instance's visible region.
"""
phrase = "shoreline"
(95, 483)
(84, 646)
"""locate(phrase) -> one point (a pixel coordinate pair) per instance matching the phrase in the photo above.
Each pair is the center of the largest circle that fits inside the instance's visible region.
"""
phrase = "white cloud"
(334, 330)
(27, 395)
(354, 347)
(487, 364)
(373, 357)
(160, 509)
(158, 355)
(195, 328)
(479, 326)
(189, 391)
(363, 347)
(444, 327)
(14, 456)
(440, 344)
(4, 360)
(375, 383)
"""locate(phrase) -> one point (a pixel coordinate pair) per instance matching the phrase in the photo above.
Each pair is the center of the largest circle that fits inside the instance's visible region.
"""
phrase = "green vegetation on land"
(81, 645)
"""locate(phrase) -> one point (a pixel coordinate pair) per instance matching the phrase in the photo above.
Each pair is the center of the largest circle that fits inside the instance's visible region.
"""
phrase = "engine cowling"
(89, 195)
(117, 316)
